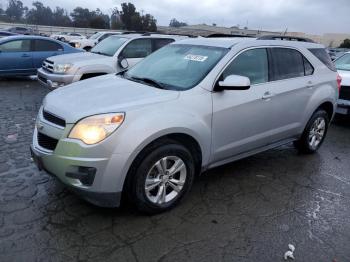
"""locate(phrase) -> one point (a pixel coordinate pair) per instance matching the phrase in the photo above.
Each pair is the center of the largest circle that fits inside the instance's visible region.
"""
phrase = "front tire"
(161, 178)
(314, 133)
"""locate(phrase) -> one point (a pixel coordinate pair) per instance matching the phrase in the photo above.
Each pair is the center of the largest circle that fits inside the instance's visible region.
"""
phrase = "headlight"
(94, 129)
(77, 45)
(61, 68)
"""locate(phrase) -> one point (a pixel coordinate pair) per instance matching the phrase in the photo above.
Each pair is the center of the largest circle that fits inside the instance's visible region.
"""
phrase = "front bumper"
(343, 107)
(93, 172)
(53, 81)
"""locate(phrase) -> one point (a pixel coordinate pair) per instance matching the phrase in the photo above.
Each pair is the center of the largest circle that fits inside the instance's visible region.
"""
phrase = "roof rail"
(174, 34)
(286, 38)
(133, 32)
(227, 35)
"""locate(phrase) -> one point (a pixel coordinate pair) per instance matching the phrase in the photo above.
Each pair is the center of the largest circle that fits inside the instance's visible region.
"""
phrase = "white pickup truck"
(111, 55)
(88, 43)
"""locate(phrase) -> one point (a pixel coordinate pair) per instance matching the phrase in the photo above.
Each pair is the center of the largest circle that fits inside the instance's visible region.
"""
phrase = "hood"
(345, 75)
(104, 94)
(77, 57)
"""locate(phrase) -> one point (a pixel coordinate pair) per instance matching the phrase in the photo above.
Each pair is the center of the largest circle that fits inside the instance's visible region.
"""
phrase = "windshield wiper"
(149, 81)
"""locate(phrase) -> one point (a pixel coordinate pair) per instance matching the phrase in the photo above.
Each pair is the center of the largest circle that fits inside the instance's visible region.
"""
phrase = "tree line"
(126, 18)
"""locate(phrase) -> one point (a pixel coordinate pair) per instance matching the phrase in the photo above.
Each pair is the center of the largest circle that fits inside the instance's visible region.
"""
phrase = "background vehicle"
(67, 37)
(5, 34)
(335, 53)
(104, 58)
(343, 66)
(23, 55)
(192, 105)
(20, 30)
(93, 40)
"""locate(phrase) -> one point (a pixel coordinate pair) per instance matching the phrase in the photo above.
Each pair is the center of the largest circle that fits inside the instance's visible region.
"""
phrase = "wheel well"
(328, 107)
(90, 75)
(186, 140)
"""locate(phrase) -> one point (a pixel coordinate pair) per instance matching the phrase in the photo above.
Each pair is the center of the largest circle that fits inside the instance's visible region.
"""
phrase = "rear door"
(44, 49)
(16, 57)
(292, 85)
(136, 50)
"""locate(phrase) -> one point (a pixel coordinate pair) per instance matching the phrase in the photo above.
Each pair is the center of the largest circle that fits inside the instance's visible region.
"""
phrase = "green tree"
(15, 11)
(81, 17)
(40, 14)
(99, 20)
(345, 44)
(175, 23)
(60, 17)
(116, 22)
(132, 19)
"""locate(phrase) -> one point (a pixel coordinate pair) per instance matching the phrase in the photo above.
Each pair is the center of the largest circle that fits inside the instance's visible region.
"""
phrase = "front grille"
(345, 93)
(54, 119)
(47, 142)
(48, 65)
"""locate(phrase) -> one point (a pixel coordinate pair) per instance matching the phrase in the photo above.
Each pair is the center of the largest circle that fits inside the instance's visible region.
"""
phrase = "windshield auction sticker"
(197, 58)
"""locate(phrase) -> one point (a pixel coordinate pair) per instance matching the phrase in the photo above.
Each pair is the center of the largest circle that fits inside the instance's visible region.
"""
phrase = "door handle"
(310, 84)
(267, 96)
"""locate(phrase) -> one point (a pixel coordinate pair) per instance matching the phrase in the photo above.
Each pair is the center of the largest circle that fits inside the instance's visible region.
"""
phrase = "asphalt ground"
(249, 210)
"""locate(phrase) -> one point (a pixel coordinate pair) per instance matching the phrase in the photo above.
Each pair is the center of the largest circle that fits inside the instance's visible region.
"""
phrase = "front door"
(16, 58)
(242, 119)
(136, 50)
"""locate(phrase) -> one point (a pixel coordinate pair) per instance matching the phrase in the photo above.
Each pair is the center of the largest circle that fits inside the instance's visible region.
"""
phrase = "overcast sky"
(311, 16)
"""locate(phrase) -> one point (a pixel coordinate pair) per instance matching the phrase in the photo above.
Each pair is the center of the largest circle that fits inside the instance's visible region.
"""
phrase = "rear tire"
(314, 133)
(161, 177)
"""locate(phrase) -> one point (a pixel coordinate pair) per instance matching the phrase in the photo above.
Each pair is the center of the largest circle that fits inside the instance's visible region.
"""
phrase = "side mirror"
(234, 82)
(123, 63)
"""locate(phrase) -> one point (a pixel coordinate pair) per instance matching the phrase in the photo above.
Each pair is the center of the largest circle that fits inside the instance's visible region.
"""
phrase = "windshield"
(177, 67)
(95, 36)
(343, 62)
(109, 46)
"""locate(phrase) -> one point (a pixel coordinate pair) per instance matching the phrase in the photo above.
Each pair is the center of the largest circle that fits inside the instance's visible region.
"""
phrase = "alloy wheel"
(165, 180)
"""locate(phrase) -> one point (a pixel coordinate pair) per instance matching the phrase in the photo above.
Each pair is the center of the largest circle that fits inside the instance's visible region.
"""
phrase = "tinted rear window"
(287, 63)
(324, 57)
(45, 45)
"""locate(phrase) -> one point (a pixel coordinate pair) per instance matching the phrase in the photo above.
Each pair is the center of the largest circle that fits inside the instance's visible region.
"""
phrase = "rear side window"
(45, 46)
(287, 63)
(252, 64)
(324, 57)
(159, 43)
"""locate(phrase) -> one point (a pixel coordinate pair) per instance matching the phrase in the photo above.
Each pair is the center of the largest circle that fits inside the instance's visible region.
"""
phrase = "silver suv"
(111, 55)
(195, 104)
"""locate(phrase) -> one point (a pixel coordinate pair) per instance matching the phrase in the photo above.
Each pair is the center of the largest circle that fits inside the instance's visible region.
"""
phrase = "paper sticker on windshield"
(197, 58)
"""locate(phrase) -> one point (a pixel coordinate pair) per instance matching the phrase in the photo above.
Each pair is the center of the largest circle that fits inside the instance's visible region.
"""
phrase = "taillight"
(339, 79)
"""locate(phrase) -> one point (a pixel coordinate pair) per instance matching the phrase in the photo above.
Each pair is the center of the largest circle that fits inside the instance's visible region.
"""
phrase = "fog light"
(86, 175)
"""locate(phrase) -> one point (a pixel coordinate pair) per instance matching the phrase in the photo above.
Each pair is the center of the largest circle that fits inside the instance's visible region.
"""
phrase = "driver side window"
(252, 64)
(138, 48)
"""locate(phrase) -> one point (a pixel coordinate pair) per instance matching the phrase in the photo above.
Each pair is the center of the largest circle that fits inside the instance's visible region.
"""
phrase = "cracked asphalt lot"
(249, 210)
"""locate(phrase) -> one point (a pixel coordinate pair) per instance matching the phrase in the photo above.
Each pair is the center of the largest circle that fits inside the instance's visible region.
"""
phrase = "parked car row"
(67, 36)
(104, 58)
(144, 133)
